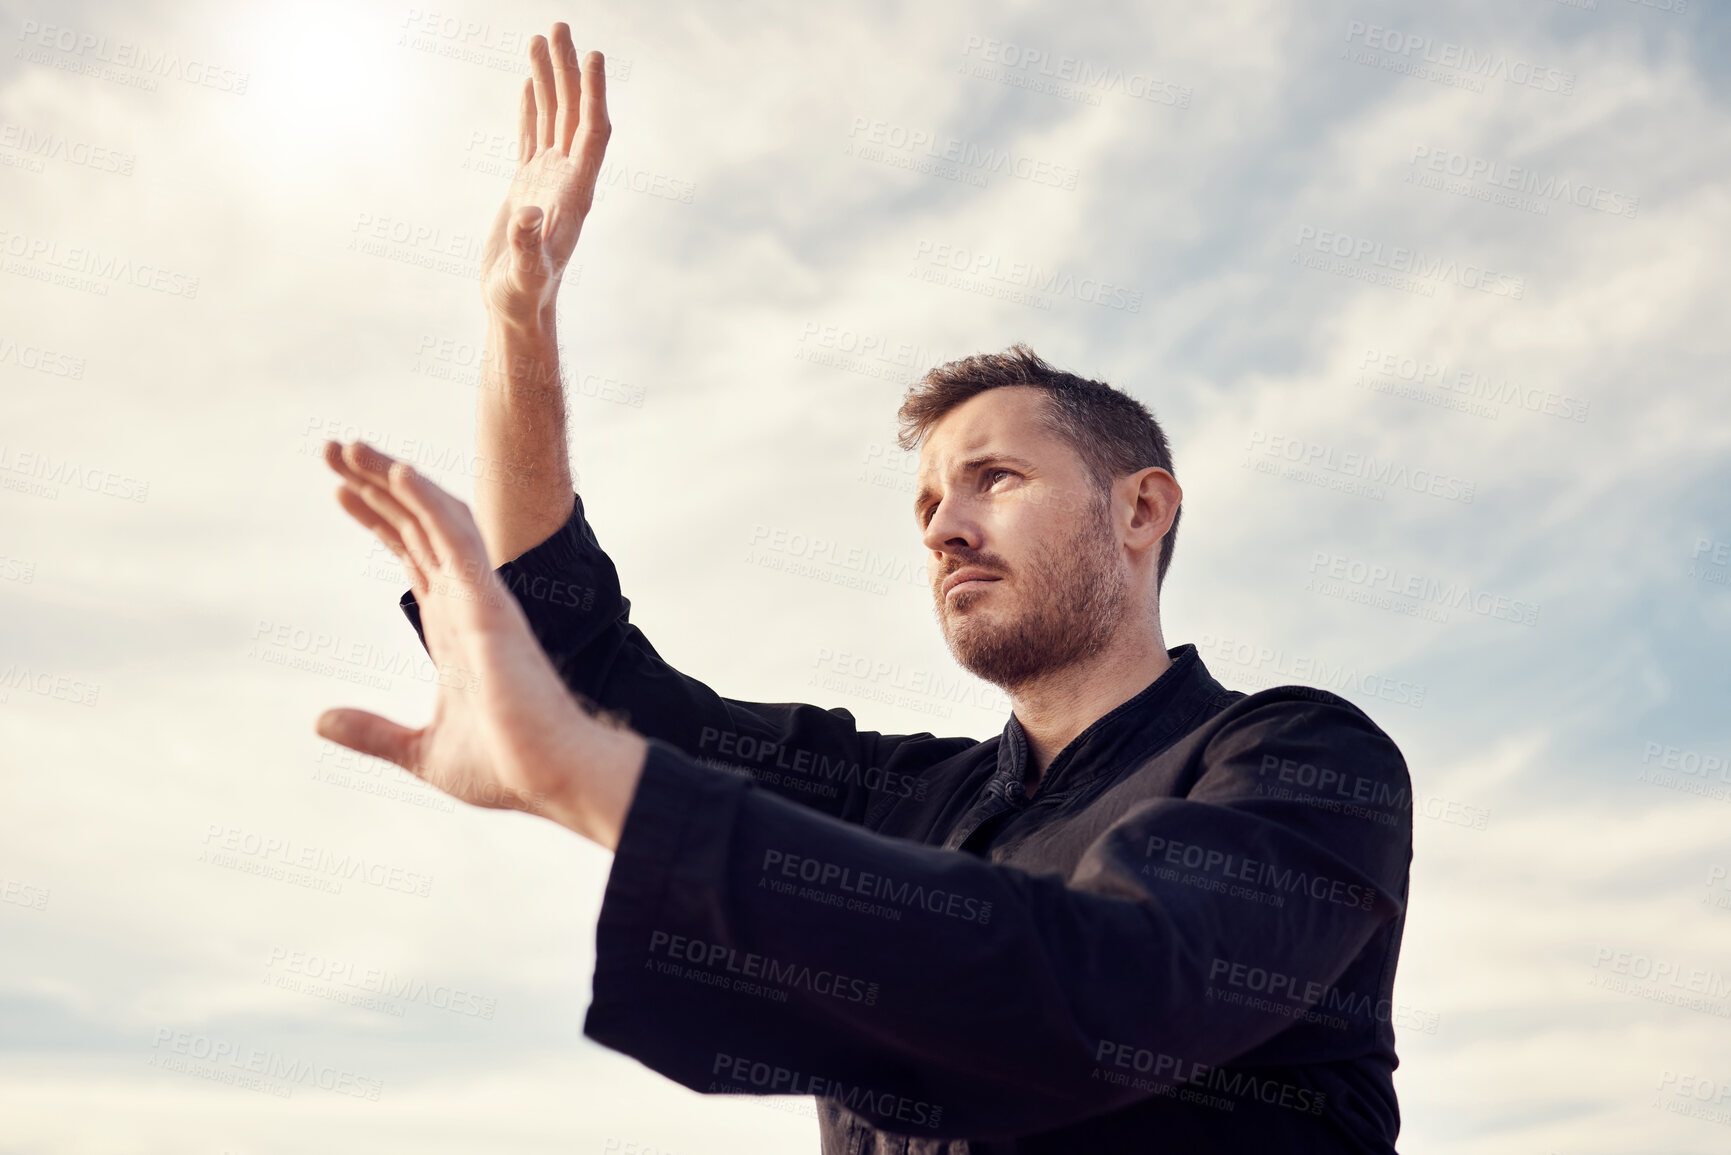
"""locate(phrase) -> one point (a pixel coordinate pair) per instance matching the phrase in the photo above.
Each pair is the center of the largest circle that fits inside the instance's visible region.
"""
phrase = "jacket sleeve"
(569, 590)
(745, 945)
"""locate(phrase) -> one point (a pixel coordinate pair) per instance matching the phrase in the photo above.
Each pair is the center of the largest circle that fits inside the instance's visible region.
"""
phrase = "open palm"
(504, 731)
(562, 133)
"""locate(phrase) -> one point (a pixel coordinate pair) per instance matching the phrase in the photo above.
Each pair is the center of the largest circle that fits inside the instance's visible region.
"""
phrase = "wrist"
(605, 764)
(521, 353)
(534, 325)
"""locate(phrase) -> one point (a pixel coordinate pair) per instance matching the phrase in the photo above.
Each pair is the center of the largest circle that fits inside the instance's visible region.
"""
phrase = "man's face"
(1003, 499)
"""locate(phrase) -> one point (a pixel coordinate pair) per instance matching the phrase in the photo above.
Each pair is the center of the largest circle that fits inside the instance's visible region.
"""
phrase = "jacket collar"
(1167, 708)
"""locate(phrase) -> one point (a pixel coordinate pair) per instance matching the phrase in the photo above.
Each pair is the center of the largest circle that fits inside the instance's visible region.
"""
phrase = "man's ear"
(1153, 496)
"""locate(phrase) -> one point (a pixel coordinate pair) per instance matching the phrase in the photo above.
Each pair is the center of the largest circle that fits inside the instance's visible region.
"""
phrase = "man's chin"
(975, 646)
(964, 618)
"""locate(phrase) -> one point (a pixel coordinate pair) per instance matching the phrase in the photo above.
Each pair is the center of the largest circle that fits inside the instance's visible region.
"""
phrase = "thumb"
(369, 734)
(524, 233)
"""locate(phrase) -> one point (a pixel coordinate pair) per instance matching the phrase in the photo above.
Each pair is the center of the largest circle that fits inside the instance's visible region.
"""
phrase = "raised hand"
(505, 732)
(562, 133)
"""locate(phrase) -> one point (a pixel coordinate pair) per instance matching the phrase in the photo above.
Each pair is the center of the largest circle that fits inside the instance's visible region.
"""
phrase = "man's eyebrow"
(978, 461)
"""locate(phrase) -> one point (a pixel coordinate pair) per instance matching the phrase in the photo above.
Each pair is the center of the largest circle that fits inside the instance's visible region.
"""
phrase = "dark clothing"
(1184, 942)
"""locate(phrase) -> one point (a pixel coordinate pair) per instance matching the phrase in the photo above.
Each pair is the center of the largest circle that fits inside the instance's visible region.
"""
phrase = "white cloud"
(712, 308)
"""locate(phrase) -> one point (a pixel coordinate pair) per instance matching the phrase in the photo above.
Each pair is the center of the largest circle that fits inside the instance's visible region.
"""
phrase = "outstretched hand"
(505, 732)
(562, 132)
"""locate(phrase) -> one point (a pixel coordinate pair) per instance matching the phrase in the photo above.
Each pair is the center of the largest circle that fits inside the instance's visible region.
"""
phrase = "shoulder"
(1301, 731)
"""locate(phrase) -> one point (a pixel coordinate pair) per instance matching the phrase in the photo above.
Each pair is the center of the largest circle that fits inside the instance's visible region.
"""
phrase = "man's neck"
(1055, 710)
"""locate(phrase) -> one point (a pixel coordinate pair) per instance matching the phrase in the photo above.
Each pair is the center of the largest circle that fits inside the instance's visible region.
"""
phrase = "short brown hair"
(1112, 432)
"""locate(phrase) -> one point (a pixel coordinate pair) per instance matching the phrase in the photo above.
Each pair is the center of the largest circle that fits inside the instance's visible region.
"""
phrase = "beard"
(1075, 592)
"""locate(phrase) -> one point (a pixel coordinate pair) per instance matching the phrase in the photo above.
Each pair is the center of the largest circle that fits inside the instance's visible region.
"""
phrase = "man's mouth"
(967, 579)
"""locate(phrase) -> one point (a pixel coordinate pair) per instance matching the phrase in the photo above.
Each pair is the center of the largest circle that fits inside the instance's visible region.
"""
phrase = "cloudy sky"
(1430, 297)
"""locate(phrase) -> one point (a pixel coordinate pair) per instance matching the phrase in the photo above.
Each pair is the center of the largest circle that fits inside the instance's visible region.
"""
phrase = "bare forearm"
(524, 494)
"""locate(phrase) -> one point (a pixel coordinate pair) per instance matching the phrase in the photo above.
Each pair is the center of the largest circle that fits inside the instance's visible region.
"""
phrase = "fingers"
(370, 734)
(357, 508)
(433, 526)
(567, 84)
(447, 521)
(546, 96)
(562, 98)
(358, 463)
(433, 531)
(526, 131)
(596, 127)
(367, 472)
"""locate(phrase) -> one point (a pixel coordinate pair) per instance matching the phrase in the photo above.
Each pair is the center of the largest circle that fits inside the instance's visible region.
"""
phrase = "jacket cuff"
(669, 870)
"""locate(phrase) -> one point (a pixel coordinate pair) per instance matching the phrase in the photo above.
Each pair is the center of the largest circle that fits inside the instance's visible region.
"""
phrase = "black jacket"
(1185, 941)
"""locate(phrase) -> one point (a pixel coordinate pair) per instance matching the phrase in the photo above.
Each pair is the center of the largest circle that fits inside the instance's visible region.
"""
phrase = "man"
(1152, 915)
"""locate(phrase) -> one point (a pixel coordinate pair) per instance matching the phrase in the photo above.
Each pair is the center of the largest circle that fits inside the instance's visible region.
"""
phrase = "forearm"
(524, 494)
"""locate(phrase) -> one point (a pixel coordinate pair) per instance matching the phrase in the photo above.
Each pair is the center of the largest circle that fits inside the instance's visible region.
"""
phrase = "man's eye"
(993, 474)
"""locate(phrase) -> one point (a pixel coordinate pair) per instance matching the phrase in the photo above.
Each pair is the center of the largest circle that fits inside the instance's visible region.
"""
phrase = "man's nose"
(950, 529)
